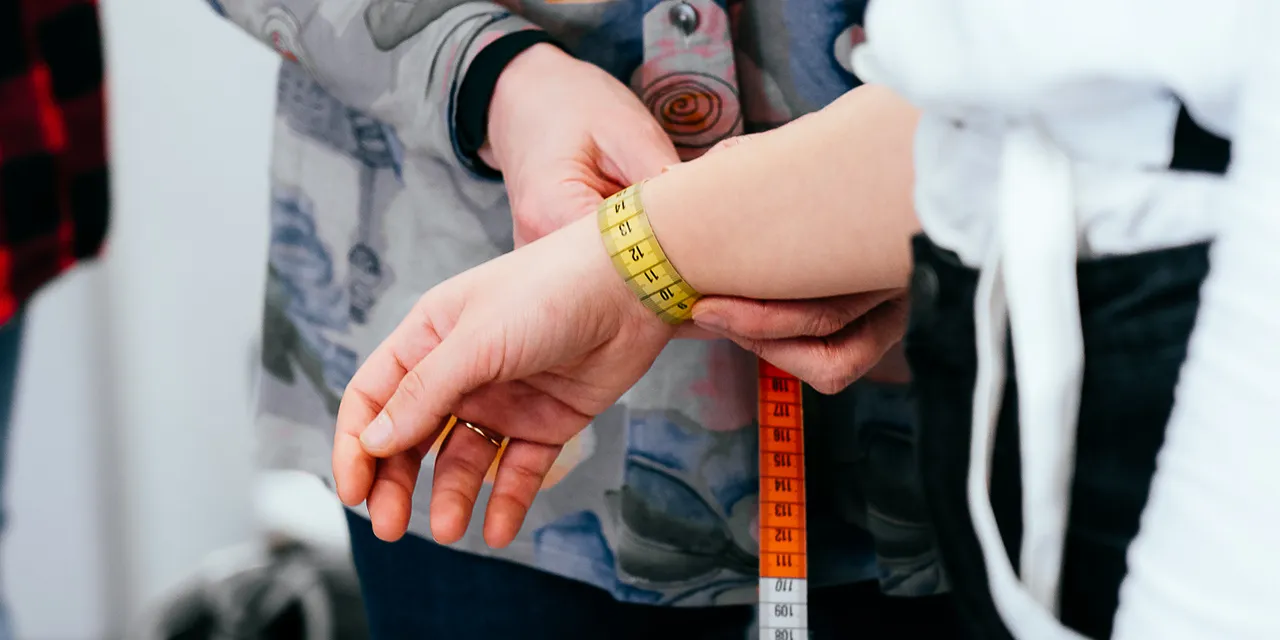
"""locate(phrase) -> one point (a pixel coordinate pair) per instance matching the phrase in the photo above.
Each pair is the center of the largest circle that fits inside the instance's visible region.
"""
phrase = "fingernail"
(378, 434)
(711, 322)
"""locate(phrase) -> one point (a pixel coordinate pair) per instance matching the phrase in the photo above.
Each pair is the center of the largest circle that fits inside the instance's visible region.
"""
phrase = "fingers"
(779, 319)
(400, 398)
(466, 457)
(390, 499)
(521, 471)
(460, 468)
(833, 362)
(426, 395)
(373, 384)
(353, 469)
(523, 411)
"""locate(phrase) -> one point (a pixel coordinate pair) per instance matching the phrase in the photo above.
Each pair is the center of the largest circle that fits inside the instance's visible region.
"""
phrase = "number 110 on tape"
(784, 585)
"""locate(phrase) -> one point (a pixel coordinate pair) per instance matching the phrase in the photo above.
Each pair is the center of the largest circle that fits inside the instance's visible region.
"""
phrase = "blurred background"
(133, 464)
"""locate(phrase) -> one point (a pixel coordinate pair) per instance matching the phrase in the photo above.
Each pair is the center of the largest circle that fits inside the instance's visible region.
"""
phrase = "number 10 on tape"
(784, 585)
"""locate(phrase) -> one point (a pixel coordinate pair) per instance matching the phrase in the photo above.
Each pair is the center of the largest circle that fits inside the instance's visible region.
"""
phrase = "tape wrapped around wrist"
(638, 258)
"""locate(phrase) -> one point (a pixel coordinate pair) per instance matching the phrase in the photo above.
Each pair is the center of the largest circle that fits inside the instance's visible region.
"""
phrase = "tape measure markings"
(783, 613)
(638, 258)
(784, 592)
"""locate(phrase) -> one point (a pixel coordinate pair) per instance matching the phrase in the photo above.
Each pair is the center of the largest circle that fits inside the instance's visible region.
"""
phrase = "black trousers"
(414, 588)
(1137, 314)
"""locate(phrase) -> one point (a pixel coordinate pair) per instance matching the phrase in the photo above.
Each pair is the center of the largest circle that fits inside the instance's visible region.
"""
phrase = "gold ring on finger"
(494, 438)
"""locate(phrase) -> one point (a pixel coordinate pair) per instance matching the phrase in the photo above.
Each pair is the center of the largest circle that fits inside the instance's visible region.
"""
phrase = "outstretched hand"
(565, 134)
(531, 345)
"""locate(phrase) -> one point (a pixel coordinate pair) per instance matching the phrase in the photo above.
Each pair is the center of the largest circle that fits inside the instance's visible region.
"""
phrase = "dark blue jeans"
(415, 588)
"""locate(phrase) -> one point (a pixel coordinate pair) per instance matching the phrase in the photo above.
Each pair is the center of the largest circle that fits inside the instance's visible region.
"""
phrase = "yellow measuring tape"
(639, 259)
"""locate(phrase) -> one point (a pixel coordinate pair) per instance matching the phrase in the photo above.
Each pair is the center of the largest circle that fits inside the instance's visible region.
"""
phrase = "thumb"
(426, 395)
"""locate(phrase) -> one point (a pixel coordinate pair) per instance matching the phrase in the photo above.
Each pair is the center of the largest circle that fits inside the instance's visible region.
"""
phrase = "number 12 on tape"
(784, 585)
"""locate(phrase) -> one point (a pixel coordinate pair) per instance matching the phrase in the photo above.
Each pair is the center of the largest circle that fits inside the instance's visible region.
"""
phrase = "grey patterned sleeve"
(400, 61)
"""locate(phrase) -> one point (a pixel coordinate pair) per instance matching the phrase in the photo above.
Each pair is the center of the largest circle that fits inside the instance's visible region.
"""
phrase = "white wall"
(57, 549)
(192, 130)
(132, 452)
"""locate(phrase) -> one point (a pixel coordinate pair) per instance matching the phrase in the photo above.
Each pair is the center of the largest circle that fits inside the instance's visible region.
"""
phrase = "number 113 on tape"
(784, 585)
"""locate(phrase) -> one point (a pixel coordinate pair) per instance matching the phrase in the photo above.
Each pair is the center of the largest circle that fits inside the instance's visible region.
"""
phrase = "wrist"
(667, 204)
(522, 78)
(609, 288)
(639, 259)
(478, 93)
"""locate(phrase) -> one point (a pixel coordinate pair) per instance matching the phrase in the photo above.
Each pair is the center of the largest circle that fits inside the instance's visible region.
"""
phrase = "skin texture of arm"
(818, 208)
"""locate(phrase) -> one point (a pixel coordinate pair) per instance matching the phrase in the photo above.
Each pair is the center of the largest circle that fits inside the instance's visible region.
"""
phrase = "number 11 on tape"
(784, 585)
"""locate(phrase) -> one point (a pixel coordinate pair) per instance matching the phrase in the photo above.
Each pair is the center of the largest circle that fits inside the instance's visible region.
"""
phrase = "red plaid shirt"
(54, 191)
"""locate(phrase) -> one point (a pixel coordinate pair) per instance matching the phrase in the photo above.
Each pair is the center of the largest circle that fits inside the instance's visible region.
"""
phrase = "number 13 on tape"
(784, 585)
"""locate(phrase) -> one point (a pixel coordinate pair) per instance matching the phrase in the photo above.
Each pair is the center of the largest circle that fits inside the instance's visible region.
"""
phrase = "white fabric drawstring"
(1028, 283)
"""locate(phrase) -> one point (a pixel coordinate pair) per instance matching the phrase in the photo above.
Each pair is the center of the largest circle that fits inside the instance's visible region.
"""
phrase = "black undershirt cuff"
(471, 112)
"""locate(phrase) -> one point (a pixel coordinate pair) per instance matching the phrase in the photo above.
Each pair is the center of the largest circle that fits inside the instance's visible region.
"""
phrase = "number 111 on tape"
(784, 585)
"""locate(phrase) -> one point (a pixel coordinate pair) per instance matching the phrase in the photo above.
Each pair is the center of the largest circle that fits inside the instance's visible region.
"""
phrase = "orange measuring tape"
(784, 585)
(638, 258)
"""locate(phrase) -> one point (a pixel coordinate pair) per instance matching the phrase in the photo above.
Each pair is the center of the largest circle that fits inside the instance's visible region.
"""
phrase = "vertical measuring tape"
(784, 587)
(784, 584)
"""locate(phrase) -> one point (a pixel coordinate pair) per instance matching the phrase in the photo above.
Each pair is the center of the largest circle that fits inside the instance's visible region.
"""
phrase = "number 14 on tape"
(784, 585)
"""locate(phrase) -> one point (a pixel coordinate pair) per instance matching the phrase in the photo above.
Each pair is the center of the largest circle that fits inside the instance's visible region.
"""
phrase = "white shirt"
(1047, 130)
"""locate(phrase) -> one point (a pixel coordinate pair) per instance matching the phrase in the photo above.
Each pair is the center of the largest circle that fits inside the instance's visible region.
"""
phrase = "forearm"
(819, 207)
